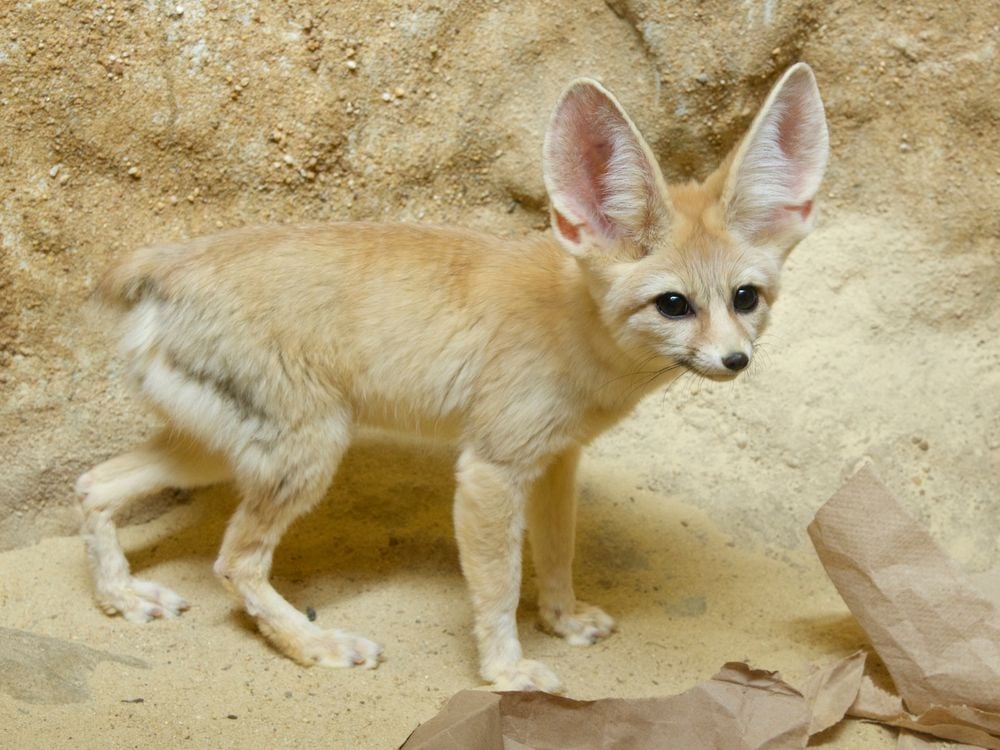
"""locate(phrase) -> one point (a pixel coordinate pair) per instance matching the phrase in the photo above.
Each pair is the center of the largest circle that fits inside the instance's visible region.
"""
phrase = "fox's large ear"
(605, 188)
(769, 192)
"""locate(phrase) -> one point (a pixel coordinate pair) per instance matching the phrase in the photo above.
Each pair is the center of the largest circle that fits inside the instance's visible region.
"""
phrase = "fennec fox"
(263, 348)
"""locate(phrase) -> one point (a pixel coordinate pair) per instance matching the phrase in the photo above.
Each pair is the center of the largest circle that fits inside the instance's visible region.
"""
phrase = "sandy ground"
(379, 559)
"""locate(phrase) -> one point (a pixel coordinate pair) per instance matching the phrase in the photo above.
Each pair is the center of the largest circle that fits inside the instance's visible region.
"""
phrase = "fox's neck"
(612, 378)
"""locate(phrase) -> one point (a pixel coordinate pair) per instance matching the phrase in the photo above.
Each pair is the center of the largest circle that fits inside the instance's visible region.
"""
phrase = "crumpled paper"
(938, 635)
(962, 724)
(831, 692)
(738, 709)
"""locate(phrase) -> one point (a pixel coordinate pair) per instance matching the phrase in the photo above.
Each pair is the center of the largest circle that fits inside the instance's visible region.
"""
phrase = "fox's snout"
(720, 365)
(736, 361)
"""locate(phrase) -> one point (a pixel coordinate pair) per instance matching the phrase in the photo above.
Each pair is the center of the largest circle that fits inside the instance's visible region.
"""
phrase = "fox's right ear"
(776, 170)
(605, 188)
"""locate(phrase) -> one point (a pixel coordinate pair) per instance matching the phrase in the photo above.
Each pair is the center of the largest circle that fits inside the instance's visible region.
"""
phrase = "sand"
(379, 558)
(693, 511)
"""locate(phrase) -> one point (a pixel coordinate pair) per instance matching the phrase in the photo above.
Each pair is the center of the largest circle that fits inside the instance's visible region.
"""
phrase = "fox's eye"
(745, 299)
(673, 305)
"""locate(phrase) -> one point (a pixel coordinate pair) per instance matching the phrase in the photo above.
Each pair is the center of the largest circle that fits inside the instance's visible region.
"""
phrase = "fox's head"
(685, 273)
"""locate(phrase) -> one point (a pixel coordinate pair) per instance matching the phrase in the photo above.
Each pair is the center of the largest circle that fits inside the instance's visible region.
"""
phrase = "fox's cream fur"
(263, 348)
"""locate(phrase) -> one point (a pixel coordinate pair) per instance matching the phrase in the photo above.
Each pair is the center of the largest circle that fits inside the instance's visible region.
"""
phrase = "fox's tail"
(134, 276)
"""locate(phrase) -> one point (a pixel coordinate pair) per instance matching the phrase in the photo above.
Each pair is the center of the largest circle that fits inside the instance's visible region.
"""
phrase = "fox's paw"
(584, 627)
(334, 648)
(524, 675)
(141, 601)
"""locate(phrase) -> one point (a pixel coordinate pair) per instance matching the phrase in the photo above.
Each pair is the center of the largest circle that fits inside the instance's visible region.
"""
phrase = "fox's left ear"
(769, 193)
(605, 188)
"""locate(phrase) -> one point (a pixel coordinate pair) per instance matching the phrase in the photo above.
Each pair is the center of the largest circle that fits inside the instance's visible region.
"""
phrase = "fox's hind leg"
(282, 476)
(170, 459)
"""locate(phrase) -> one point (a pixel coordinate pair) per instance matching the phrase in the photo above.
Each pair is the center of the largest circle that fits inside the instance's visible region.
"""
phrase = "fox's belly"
(409, 418)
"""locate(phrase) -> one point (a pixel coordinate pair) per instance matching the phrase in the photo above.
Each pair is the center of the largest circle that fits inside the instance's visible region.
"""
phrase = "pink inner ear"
(794, 133)
(570, 231)
(783, 214)
(587, 149)
(789, 128)
(802, 209)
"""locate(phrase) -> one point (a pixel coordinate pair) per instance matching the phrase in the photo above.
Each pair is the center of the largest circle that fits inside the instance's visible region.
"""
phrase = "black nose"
(736, 361)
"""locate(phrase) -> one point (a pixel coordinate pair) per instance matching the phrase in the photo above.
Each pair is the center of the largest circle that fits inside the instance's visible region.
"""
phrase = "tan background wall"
(127, 122)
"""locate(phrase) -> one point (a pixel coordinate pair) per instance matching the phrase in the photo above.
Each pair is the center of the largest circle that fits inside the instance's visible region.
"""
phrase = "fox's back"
(405, 322)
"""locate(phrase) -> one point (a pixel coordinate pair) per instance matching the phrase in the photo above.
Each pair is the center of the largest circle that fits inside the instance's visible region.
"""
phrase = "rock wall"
(123, 122)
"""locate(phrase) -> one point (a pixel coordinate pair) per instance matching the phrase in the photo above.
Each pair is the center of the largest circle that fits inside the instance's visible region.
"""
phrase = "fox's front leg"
(489, 525)
(552, 529)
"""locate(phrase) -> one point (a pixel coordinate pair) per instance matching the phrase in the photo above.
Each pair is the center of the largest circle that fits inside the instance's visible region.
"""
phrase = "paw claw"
(525, 675)
(83, 484)
(142, 601)
(585, 627)
(335, 648)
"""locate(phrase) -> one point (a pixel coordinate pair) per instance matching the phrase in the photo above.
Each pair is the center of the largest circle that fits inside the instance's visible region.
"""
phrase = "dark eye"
(745, 299)
(673, 305)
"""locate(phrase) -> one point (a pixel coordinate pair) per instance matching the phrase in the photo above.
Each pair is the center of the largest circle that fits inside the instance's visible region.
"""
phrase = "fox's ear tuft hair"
(776, 170)
(604, 185)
